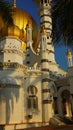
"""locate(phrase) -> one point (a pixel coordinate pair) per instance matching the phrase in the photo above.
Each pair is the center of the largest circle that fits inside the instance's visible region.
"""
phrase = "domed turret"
(68, 53)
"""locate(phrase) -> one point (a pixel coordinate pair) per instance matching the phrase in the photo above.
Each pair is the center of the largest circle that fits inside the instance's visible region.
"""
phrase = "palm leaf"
(6, 12)
(62, 17)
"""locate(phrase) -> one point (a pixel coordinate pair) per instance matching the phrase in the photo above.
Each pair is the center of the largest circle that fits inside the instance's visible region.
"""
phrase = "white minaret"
(46, 95)
(28, 42)
(69, 58)
(46, 21)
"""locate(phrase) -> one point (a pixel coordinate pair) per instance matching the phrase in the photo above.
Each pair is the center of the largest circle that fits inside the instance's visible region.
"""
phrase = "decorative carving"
(7, 65)
(12, 51)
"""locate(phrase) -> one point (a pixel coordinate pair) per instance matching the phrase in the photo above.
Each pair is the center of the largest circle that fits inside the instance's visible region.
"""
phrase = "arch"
(45, 1)
(41, 1)
(32, 90)
(64, 102)
(32, 99)
(65, 94)
(62, 89)
(53, 88)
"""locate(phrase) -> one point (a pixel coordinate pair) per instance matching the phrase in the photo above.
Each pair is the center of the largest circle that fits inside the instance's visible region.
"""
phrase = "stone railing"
(7, 65)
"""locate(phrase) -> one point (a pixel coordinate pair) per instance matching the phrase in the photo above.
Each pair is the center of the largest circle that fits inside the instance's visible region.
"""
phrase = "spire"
(68, 53)
(14, 3)
(27, 25)
(69, 57)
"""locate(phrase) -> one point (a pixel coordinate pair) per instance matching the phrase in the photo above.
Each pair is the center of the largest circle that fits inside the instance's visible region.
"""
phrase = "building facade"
(33, 89)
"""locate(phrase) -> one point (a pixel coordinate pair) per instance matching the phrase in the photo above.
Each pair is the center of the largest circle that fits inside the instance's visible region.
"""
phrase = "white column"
(28, 43)
(46, 96)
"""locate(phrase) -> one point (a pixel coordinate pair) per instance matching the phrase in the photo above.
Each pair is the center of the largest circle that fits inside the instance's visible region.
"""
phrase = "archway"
(66, 104)
(53, 94)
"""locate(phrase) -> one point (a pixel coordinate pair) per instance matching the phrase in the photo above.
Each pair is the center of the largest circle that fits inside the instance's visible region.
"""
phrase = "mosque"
(34, 90)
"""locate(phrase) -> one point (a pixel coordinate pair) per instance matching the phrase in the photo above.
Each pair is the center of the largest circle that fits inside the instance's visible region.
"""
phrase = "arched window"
(48, 1)
(32, 100)
(45, 1)
(32, 90)
(41, 1)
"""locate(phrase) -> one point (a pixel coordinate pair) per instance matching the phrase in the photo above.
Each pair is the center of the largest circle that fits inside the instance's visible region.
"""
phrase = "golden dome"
(23, 46)
(68, 53)
(20, 20)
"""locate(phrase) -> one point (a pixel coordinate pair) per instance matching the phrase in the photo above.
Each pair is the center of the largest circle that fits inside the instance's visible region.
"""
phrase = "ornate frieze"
(13, 65)
(9, 86)
(11, 51)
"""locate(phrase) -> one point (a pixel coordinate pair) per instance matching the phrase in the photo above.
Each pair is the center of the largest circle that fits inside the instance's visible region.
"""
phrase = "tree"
(62, 17)
(6, 12)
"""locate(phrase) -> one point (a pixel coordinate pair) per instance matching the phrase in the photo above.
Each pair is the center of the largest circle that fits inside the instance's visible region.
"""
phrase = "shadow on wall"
(9, 92)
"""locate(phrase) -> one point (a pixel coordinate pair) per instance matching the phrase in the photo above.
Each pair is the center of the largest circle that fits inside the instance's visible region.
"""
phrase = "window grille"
(32, 99)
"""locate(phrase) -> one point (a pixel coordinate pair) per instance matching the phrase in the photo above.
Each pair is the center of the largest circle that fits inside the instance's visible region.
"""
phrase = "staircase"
(66, 120)
(57, 120)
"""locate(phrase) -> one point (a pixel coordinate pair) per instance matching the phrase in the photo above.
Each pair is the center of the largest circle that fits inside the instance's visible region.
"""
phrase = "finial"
(43, 30)
(14, 3)
(27, 25)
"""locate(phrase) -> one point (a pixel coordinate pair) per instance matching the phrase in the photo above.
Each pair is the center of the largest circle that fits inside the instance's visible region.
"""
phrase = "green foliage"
(62, 17)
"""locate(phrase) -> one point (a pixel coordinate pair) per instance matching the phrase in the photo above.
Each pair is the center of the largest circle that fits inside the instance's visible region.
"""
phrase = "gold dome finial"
(27, 25)
(43, 30)
(14, 3)
(68, 53)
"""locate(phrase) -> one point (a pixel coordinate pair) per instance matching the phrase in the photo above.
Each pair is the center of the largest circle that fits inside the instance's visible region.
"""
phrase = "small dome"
(68, 53)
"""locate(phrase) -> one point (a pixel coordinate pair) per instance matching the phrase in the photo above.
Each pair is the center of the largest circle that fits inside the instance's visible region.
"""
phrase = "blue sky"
(30, 7)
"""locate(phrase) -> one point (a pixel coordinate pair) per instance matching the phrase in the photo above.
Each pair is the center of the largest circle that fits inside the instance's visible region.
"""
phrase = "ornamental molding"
(9, 85)
(13, 65)
(12, 51)
(34, 73)
(45, 7)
